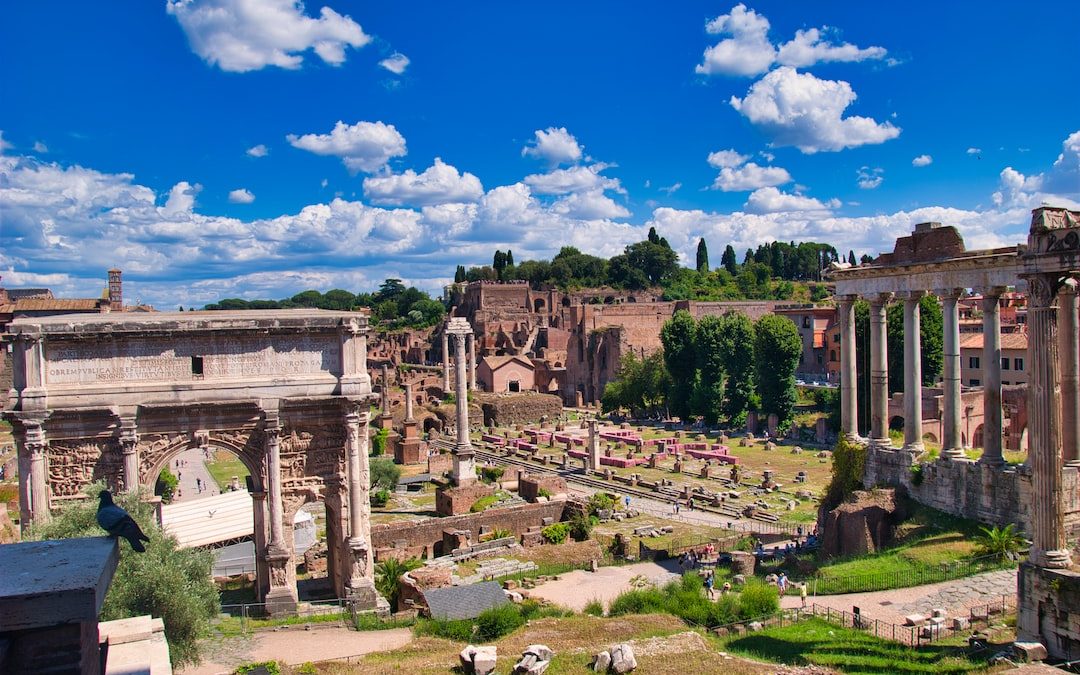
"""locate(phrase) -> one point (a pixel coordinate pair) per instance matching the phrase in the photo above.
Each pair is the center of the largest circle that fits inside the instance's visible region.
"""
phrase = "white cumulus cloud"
(750, 176)
(801, 110)
(748, 51)
(40, 147)
(364, 146)
(572, 179)
(396, 63)
(438, 184)
(245, 35)
(771, 200)
(555, 145)
(974, 151)
(259, 150)
(241, 196)
(723, 158)
(922, 160)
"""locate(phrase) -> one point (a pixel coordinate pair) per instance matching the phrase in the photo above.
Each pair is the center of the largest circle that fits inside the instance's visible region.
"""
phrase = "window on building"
(973, 362)
(832, 354)
(1004, 363)
(513, 385)
(974, 382)
(197, 366)
(1004, 382)
(806, 322)
(819, 359)
(1018, 364)
(836, 337)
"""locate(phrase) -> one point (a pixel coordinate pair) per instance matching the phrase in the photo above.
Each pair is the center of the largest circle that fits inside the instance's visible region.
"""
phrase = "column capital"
(950, 293)
(911, 296)
(847, 299)
(1041, 289)
(879, 298)
(992, 292)
(1069, 285)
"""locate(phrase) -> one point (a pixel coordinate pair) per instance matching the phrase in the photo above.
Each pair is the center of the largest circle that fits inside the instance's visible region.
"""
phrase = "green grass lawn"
(816, 642)
(224, 466)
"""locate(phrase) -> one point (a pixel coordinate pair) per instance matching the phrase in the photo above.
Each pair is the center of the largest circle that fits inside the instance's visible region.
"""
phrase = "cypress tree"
(702, 256)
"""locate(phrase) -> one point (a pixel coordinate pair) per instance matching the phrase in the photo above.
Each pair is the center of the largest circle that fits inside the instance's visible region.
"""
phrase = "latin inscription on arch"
(168, 360)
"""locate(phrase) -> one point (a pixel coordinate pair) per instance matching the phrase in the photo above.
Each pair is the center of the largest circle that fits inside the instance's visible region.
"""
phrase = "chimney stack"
(116, 291)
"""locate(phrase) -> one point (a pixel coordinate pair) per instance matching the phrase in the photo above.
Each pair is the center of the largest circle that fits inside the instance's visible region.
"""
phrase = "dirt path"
(575, 589)
(295, 646)
(192, 467)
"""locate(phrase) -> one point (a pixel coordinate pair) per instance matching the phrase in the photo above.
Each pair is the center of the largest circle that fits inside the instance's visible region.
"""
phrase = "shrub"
(744, 543)
(384, 473)
(758, 599)
(166, 485)
(580, 527)
(917, 473)
(388, 577)
(496, 622)
(594, 608)
(500, 533)
(847, 472)
(600, 502)
(459, 630)
(491, 474)
(544, 492)
(638, 601)
(269, 667)
(1000, 541)
(555, 533)
(378, 442)
(380, 498)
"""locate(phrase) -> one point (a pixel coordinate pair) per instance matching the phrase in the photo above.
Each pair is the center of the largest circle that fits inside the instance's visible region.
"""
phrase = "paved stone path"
(194, 468)
(576, 589)
(955, 597)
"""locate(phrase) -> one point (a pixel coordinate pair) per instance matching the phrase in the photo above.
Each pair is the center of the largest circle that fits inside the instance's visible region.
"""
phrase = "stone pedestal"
(281, 600)
(456, 500)
(1049, 609)
(408, 448)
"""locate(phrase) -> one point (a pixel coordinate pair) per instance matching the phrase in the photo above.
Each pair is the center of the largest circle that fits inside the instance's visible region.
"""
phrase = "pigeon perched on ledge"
(118, 523)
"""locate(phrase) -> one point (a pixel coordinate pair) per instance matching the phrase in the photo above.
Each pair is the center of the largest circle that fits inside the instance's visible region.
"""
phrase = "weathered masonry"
(116, 397)
(1044, 494)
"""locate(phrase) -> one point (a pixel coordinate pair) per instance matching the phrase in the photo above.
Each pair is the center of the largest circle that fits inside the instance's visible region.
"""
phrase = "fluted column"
(879, 371)
(361, 579)
(1044, 426)
(992, 413)
(849, 405)
(952, 439)
(464, 470)
(37, 446)
(445, 361)
(1069, 352)
(129, 440)
(912, 374)
(472, 362)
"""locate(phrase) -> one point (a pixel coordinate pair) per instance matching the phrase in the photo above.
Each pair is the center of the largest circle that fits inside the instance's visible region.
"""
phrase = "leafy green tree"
(728, 260)
(166, 485)
(338, 299)
(624, 274)
(388, 577)
(736, 333)
(702, 256)
(653, 238)
(678, 336)
(166, 581)
(709, 357)
(777, 348)
(307, 299)
(389, 289)
(848, 461)
(484, 273)
(384, 473)
(499, 263)
(640, 385)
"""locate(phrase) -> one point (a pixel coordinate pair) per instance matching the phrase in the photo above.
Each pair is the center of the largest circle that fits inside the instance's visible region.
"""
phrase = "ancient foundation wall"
(425, 538)
(6, 376)
(995, 496)
(1049, 609)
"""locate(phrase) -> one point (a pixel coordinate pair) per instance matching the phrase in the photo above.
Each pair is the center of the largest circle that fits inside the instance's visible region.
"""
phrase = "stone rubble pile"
(619, 659)
(534, 660)
(479, 660)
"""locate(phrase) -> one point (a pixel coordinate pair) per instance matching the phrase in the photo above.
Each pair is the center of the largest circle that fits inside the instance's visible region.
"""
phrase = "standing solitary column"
(849, 405)
(445, 361)
(1069, 351)
(953, 445)
(472, 362)
(273, 474)
(593, 461)
(992, 414)
(408, 403)
(912, 374)
(1044, 427)
(879, 371)
(464, 470)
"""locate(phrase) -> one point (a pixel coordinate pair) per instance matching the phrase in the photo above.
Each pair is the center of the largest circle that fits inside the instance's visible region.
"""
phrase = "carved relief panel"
(74, 464)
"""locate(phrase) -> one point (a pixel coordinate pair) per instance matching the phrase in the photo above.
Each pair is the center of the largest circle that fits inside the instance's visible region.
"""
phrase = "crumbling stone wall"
(457, 500)
(529, 486)
(524, 408)
(863, 524)
(6, 376)
(962, 487)
(425, 538)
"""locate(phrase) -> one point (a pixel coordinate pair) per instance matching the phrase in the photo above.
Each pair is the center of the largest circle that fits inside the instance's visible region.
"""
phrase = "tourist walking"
(781, 583)
(709, 581)
(802, 594)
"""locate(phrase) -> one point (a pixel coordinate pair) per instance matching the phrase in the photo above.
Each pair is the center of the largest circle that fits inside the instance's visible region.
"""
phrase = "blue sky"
(215, 148)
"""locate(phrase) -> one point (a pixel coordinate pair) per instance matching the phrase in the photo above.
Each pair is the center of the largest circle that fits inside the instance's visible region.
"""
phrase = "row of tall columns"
(1044, 426)
(460, 357)
(879, 373)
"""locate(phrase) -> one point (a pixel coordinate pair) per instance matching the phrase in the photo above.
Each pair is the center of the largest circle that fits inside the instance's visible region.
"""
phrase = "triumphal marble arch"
(1043, 494)
(115, 397)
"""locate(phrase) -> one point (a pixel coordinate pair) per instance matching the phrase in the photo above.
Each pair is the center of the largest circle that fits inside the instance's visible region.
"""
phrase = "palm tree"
(388, 577)
(999, 541)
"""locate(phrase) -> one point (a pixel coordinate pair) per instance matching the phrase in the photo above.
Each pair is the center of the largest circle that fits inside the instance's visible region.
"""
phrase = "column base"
(948, 454)
(1072, 463)
(361, 594)
(993, 460)
(881, 443)
(915, 448)
(281, 601)
(1057, 559)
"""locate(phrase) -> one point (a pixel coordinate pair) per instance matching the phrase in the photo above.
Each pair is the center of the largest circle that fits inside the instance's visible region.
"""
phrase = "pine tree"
(702, 256)
(653, 237)
(509, 258)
